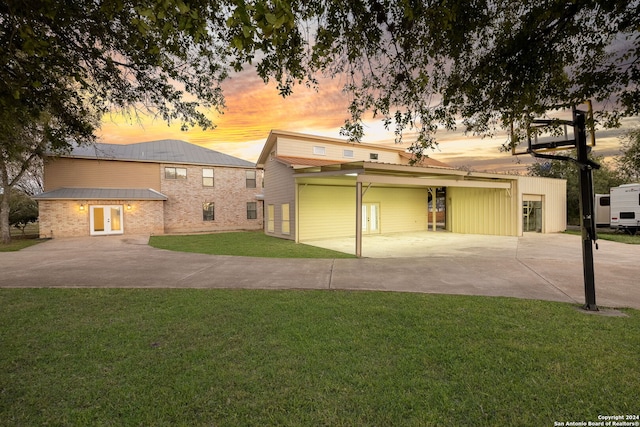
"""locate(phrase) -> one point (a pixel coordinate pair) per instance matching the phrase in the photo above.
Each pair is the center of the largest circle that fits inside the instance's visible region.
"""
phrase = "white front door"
(370, 218)
(106, 219)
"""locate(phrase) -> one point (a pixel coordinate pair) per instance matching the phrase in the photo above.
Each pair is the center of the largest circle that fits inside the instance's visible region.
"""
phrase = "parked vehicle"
(602, 210)
(625, 208)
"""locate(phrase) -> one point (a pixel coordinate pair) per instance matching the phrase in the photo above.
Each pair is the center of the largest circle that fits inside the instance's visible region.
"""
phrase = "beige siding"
(82, 173)
(183, 209)
(326, 212)
(279, 190)
(330, 211)
(361, 152)
(553, 194)
(481, 211)
(63, 218)
(401, 209)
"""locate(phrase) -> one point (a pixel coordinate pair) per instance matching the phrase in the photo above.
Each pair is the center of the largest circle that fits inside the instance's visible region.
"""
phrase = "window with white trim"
(251, 179)
(207, 177)
(319, 150)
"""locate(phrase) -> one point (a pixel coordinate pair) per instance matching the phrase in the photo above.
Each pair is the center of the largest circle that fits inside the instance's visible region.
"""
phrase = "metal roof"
(101, 194)
(163, 151)
(307, 161)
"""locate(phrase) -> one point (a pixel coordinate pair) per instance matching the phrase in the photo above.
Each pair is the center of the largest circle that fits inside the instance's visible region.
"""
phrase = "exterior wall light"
(81, 206)
(128, 206)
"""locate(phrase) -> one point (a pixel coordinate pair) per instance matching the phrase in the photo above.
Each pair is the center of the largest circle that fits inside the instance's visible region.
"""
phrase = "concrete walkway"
(536, 266)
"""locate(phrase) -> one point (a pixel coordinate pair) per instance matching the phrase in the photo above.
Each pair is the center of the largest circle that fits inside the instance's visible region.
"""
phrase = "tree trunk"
(4, 215)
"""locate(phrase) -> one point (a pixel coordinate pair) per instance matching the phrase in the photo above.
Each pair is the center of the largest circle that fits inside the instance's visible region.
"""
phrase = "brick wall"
(64, 218)
(183, 209)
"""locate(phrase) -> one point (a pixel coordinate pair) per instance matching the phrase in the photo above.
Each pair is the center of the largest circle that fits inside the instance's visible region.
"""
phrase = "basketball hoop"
(575, 138)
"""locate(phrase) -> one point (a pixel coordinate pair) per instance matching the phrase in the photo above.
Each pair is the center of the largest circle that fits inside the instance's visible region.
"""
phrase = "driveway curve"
(544, 267)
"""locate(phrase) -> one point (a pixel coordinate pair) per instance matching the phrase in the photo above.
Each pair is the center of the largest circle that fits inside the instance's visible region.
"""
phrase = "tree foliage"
(603, 179)
(23, 210)
(415, 64)
(629, 161)
(424, 65)
(65, 64)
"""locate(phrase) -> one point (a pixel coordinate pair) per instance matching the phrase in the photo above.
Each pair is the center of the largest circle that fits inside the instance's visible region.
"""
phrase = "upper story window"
(251, 179)
(319, 151)
(207, 177)
(347, 153)
(175, 173)
(373, 156)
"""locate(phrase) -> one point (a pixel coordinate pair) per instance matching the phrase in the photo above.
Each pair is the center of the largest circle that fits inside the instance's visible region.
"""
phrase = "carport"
(342, 200)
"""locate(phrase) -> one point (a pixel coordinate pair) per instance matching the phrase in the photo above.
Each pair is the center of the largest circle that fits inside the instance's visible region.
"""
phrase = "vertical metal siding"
(481, 211)
(329, 211)
(554, 201)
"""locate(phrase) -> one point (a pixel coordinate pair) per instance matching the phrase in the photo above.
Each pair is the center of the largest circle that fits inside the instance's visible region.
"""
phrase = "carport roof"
(101, 194)
(394, 174)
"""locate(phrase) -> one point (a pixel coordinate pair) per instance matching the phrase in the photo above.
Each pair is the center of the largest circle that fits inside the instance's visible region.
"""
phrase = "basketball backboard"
(545, 135)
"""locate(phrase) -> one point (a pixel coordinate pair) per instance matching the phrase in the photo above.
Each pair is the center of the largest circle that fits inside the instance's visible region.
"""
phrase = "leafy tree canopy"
(424, 64)
(629, 161)
(76, 60)
(23, 210)
(413, 63)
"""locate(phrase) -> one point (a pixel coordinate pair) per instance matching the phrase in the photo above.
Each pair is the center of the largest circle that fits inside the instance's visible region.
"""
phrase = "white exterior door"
(106, 219)
(370, 218)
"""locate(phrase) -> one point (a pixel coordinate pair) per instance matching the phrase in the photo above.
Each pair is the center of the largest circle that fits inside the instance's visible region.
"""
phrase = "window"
(373, 156)
(270, 220)
(347, 153)
(285, 219)
(251, 179)
(627, 215)
(252, 210)
(208, 212)
(207, 177)
(605, 201)
(319, 151)
(175, 173)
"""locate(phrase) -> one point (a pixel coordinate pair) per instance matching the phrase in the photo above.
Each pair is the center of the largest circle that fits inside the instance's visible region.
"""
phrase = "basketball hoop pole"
(586, 199)
(587, 220)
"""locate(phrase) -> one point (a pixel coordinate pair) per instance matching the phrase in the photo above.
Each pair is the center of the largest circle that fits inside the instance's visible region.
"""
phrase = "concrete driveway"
(536, 266)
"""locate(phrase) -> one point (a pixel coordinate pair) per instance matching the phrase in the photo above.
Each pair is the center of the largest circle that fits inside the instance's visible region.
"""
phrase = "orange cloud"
(253, 109)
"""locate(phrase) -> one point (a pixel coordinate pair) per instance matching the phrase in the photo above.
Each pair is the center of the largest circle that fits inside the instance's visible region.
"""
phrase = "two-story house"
(155, 187)
(318, 188)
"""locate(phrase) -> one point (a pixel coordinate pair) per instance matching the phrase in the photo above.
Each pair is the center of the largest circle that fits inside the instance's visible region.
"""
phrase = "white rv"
(602, 211)
(625, 207)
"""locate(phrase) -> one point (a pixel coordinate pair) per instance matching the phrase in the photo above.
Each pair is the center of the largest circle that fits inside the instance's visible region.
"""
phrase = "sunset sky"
(253, 109)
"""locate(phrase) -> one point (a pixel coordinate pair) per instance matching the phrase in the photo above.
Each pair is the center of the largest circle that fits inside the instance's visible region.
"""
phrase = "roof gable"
(162, 151)
(394, 155)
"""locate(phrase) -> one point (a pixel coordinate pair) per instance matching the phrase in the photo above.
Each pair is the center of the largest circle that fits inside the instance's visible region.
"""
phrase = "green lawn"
(613, 236)
(248, 243)
(116, 357)
(18, 244)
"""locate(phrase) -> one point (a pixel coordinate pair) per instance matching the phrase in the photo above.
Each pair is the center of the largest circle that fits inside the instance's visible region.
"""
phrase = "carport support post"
(433, 208)
(586, 210)
(358, 219)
